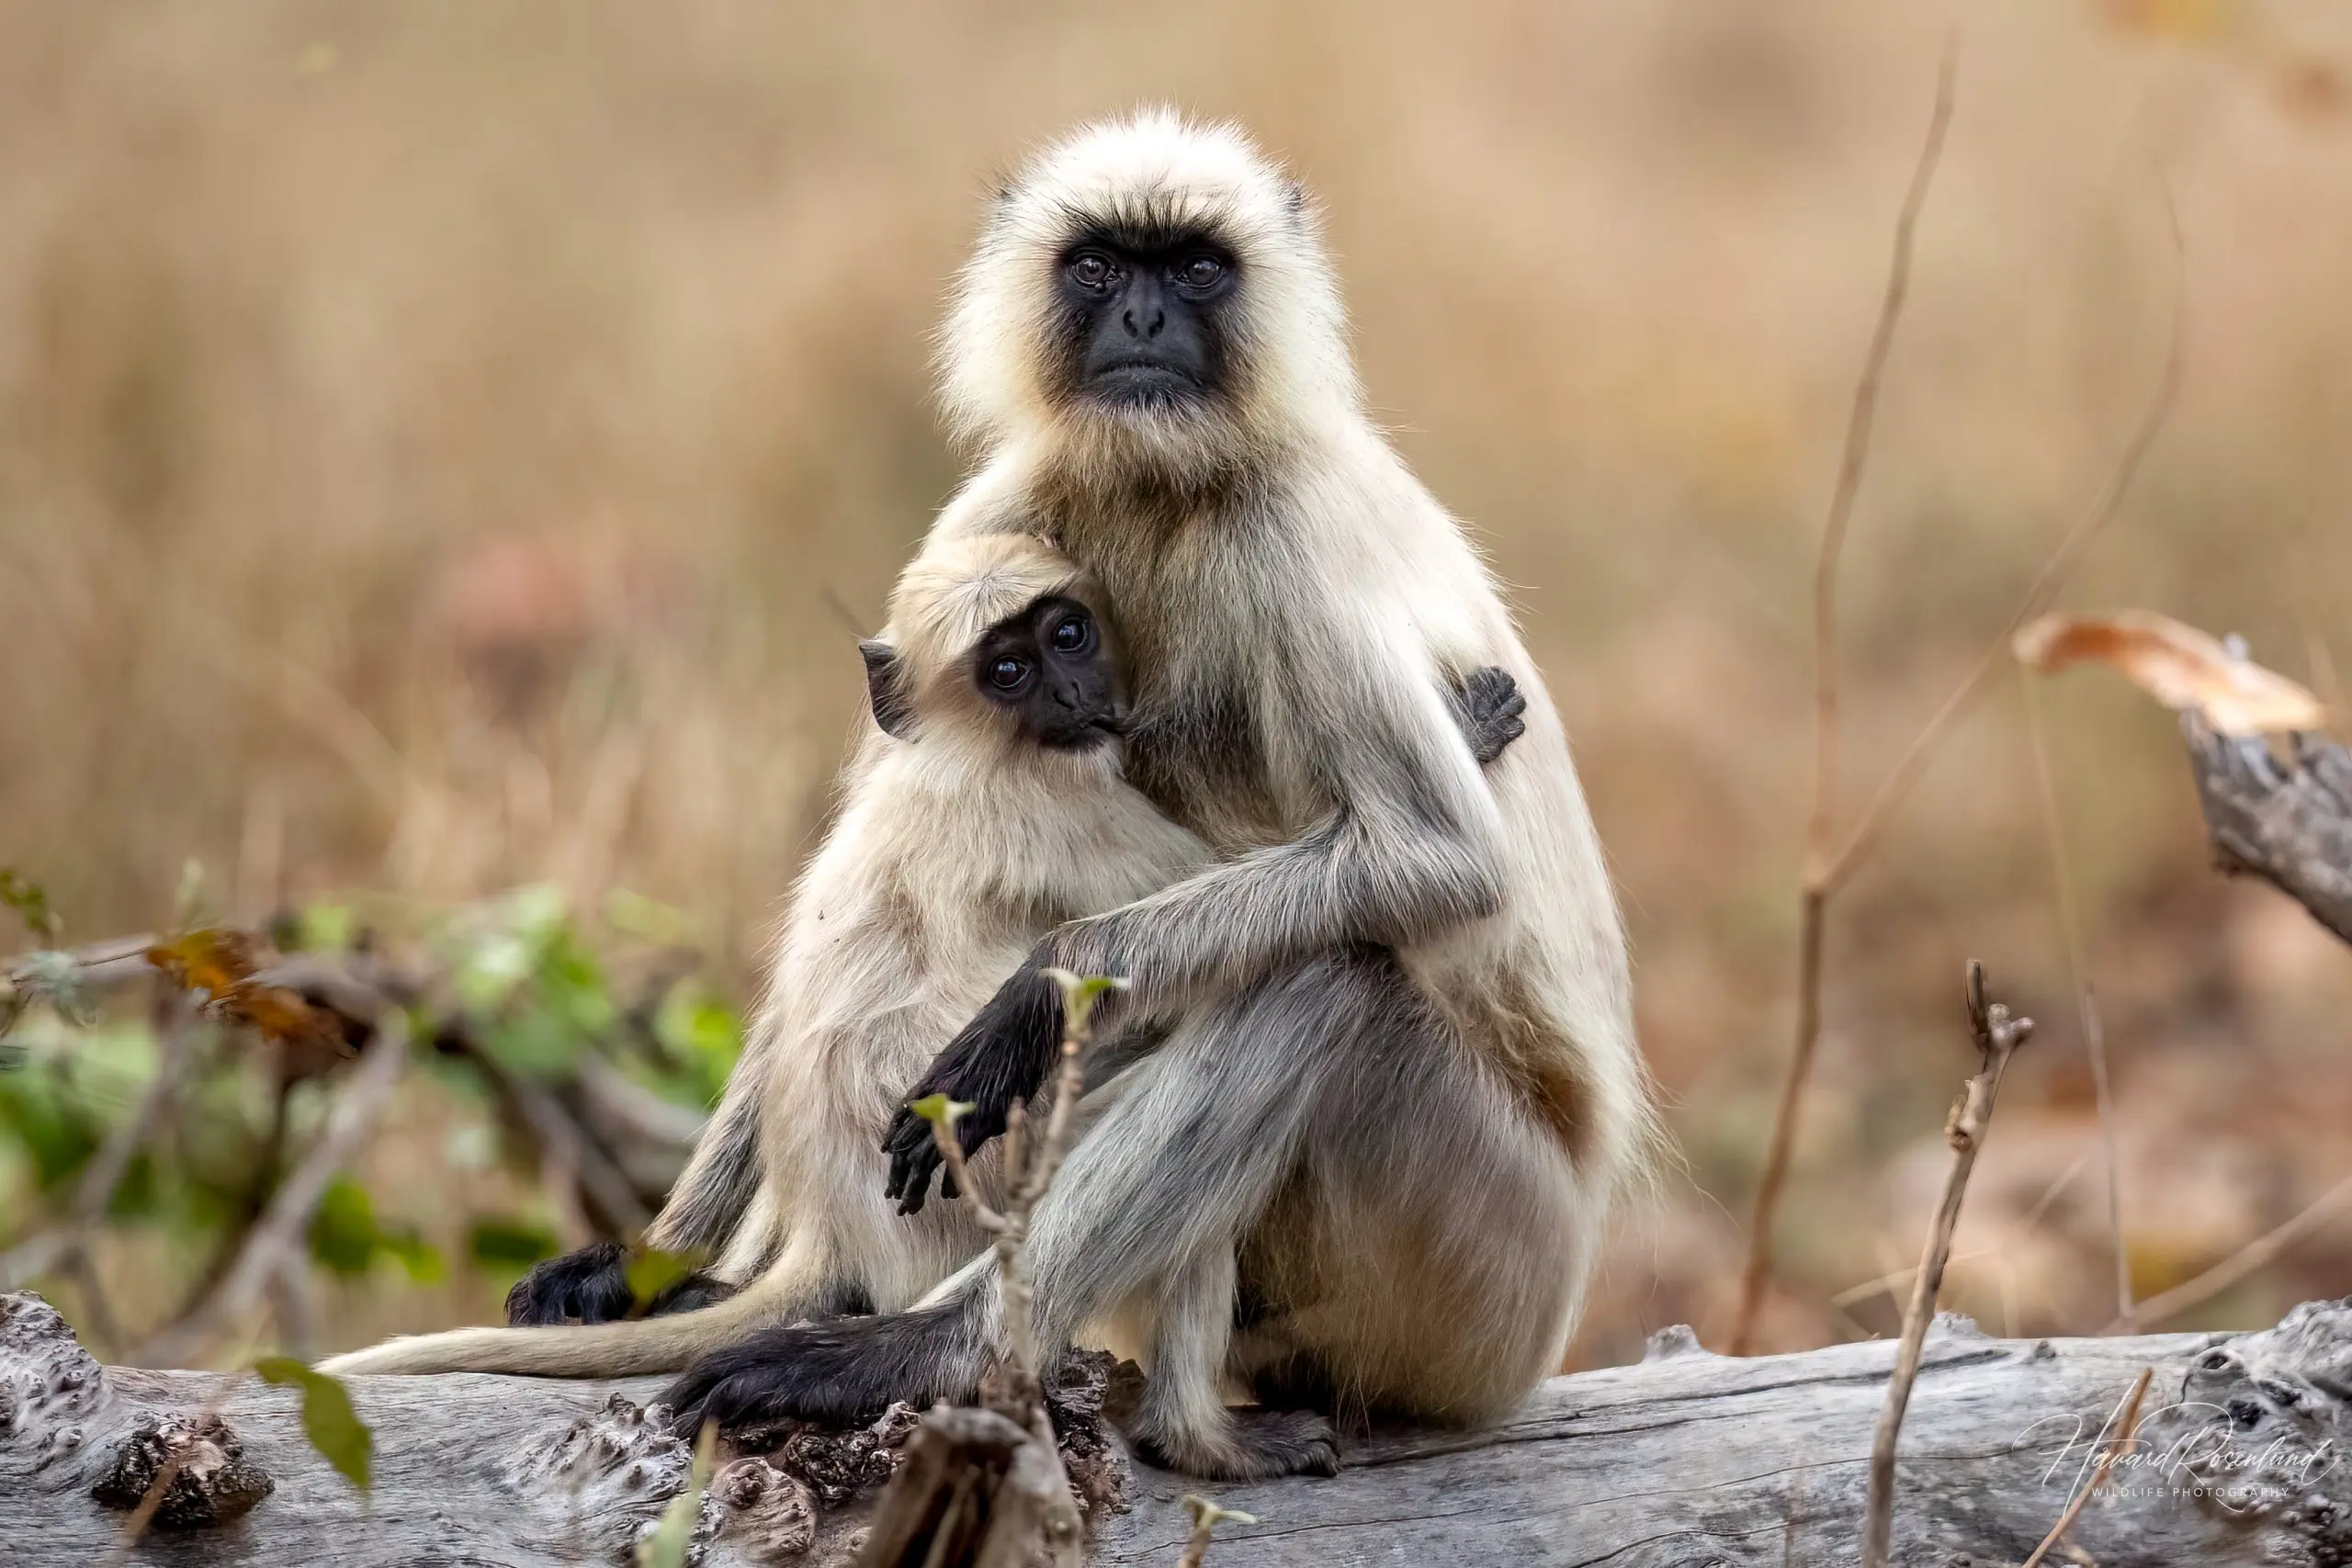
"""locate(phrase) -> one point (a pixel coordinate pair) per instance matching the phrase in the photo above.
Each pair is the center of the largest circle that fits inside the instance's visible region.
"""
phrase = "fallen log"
(2287, 822)
(1687, 1458)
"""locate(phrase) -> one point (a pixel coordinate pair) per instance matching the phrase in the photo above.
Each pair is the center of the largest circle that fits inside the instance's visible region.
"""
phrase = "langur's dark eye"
(1073, 635)
(1201, 272)
(1091, 269)
(1007, 674)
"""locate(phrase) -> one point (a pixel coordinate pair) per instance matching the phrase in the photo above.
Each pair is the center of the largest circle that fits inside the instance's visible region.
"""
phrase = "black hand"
(1002, 1055)
(1493, 712)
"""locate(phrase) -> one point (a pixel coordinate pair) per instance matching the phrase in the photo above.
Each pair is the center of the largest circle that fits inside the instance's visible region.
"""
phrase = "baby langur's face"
(1050, 670)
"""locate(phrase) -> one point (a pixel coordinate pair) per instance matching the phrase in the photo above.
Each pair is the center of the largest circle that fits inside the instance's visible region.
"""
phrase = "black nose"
(1154, 318)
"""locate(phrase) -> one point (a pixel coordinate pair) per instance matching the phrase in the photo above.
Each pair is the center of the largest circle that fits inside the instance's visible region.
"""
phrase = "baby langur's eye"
(1008, 672)
(1091, 268)
(1073, 635)
(1201, 272)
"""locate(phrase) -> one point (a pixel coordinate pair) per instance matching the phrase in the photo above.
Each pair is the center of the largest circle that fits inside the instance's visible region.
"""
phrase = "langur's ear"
(886, 688)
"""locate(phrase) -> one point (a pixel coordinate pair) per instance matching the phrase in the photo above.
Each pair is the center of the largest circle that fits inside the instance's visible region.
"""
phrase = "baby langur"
(985, 807)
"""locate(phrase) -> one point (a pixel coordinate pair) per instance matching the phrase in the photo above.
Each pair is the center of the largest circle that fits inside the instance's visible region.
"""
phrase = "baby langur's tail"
(665, 1344)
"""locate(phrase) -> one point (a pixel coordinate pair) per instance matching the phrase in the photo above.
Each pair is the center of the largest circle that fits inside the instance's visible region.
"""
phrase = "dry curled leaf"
(221, 963)
(2178, 665)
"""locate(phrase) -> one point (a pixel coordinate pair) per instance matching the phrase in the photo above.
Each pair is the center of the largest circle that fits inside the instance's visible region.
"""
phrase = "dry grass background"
(440, 445)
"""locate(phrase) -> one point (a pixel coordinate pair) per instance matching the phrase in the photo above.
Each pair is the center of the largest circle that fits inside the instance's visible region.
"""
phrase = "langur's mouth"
(1145, 376)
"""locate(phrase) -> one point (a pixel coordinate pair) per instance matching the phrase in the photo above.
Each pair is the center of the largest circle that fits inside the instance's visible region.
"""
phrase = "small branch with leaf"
(965, 1494)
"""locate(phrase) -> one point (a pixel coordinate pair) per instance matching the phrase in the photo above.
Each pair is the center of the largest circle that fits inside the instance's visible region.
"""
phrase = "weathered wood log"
(1687, 1459)
(2288, 824)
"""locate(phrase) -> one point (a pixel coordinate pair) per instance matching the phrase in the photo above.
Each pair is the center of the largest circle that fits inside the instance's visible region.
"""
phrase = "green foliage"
(527, 983)
(940, 1111)
(1080, 993)
(333, 1428)
(52, 1125)
(321, 926)
(652, 1271)
(501, 1243)
(701, 1039)
(526, 975)
(346, 1237)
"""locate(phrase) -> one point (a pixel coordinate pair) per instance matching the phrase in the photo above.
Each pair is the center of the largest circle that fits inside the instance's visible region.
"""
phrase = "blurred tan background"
(447, 446)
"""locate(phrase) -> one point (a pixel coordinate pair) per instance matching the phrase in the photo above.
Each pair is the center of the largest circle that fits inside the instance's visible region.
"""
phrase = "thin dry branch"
(281, 1229)
(1998, 1036)
(1826, 873)
(1859, 424)
(2070, 925)
(1039, 1516)
(2250, 1258)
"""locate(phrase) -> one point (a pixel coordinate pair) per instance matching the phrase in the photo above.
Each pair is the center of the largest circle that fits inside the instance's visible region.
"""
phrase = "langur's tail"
(639, 1346)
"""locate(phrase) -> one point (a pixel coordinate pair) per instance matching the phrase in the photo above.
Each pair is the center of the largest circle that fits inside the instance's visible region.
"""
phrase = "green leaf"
(1080, 993)
(422, 1261)
(333, 1428)
(667, 1544)
(25, 895)
(343, 1234)
(652, 1271)
(535, 1045)
(347, 1237)
(940, 1111)
(647, 920)
(701, 1036)
(325, 928)
(496, 1241)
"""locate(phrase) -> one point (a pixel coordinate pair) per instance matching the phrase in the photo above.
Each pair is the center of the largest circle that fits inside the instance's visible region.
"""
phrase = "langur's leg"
(1172, 1175)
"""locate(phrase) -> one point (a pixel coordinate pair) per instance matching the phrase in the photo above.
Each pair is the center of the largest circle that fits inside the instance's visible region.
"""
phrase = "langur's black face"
(1142, 319)
(1050, 669)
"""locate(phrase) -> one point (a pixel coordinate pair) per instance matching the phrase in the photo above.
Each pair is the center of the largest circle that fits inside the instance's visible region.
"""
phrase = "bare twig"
(1998, 1035)
(2054, 576)
(1827, 873)
(2126, 1430)
(1859, 424)
(2070, 925)
(1028, 1171)
(281, 1229)
(59, 1246)
(2252, 1256)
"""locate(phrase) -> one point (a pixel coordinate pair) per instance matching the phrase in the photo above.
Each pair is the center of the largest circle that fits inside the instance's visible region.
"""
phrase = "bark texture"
(1685, 1459)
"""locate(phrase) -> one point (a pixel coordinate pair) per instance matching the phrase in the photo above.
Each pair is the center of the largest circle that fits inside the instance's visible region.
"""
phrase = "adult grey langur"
(986, 806)
(1379, 1091)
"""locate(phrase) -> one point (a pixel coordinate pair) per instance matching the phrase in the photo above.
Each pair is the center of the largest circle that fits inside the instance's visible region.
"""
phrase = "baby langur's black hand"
(999, 1058)
(1492, 711)
(587, 1286)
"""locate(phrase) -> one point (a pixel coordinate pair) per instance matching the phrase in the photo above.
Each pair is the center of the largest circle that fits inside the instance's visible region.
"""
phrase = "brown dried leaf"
(221, 962)
(2178, 665)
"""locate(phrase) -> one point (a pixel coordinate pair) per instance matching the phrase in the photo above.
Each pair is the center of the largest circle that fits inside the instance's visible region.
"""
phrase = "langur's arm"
(1412, 847)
